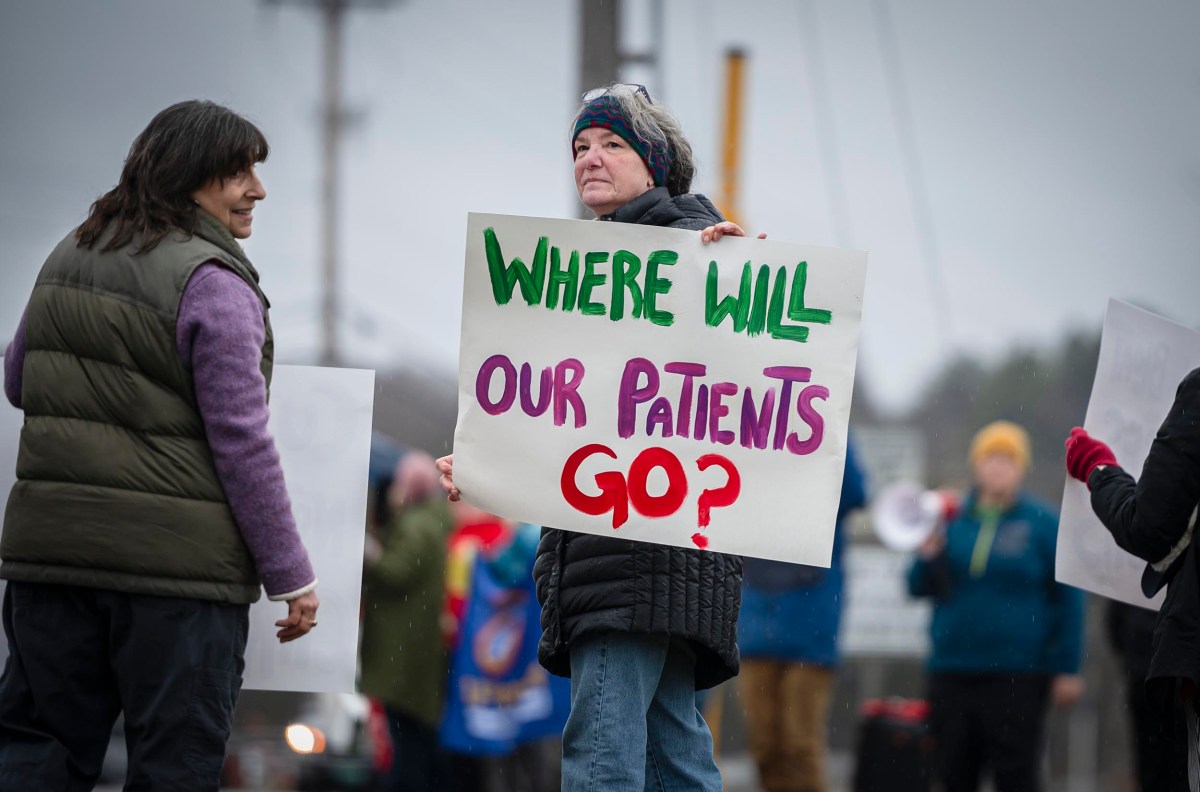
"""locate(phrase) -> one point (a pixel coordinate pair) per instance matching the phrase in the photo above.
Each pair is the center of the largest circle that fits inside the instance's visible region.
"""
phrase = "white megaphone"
(905, 513)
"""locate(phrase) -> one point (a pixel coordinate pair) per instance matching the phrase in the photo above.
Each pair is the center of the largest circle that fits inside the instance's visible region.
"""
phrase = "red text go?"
(619, 491)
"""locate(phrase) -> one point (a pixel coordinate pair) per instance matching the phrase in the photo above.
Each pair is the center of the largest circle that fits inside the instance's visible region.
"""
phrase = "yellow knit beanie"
(1003, 437)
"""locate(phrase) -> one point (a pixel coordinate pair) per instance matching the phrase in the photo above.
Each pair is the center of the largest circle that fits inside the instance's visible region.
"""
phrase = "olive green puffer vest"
(116, 486)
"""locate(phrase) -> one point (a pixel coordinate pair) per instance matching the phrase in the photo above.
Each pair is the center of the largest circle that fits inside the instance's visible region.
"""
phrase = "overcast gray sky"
(1059, 145)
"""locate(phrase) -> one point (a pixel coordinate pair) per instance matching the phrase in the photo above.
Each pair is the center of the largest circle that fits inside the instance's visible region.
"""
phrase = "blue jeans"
(634, 724)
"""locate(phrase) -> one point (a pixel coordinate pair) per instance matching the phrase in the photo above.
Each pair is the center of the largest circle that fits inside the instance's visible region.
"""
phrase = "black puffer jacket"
(1154, 518)
(592, 584)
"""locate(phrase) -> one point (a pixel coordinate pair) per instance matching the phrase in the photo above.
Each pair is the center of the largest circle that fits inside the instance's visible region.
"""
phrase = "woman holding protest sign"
(1007, 639)
(1154, 517)
(150, 505)
(638, 627)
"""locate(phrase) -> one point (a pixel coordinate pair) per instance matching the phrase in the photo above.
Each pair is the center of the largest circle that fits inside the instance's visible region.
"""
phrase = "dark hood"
(657, 207)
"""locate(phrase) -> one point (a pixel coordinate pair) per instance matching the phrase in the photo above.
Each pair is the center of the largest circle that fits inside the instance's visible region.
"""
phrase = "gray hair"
(654, 122)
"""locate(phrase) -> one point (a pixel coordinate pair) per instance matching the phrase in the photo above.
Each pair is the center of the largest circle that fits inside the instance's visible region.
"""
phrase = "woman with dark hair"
(150, 505)
(638, 627)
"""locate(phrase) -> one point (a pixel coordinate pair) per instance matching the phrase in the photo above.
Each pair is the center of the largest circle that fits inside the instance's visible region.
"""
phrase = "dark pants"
(531, 767)
(467, 773)
(419, 763)
(1159, 733)
(78, 657)
(988, 720)
(1159, 739)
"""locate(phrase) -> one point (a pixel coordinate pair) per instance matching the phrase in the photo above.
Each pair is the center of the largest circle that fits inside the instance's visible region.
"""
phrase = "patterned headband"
(605, 112)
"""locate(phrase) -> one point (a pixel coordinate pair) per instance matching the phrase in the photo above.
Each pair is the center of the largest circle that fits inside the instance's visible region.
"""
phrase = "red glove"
(1085, 454)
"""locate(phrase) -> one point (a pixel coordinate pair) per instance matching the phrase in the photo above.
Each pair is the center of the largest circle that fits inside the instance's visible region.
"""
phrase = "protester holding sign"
(1006, 637)
(638, 627)
(150, 501)
(1154, 518)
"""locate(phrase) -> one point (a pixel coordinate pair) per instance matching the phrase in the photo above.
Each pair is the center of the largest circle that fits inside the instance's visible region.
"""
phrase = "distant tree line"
(1046, 391)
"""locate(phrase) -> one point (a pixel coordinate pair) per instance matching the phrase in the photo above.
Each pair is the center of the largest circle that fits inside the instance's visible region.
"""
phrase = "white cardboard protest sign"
(321, 420)
(603, 388)
(1143, 358)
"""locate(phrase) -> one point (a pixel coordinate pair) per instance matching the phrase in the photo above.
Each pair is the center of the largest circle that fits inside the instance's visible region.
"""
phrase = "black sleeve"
(1114, 625)
(692, 223)
(1148, 517)
(931, 577)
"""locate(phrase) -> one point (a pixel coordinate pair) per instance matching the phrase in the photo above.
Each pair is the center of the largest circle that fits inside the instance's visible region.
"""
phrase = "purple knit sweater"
(219, 335)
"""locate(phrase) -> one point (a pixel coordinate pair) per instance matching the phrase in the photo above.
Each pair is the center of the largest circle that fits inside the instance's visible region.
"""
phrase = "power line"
(825, 125)
(913, 171)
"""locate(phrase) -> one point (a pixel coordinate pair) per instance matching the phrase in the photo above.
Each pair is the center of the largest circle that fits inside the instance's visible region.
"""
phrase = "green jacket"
(116, 486)
(403, 658)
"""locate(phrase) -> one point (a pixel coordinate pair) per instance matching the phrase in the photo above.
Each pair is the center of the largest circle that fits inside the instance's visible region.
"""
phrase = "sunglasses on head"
(624, 89)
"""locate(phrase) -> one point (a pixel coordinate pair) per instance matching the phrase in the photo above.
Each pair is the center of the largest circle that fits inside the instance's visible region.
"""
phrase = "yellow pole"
(735, 60)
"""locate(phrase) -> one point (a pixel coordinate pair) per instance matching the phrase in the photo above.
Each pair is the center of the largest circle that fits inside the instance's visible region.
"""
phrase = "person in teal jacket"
(1007, 639)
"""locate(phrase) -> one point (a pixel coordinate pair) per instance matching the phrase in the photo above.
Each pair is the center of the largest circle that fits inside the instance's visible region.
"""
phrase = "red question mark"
(723, 496)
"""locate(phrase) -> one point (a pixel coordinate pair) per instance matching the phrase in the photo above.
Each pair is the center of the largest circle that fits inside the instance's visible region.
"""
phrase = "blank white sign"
(321, 419)
(1143, 357)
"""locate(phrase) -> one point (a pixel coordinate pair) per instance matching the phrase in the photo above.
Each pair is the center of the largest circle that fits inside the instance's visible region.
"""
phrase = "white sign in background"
(1143, 358)
(321, 420)
(511, 463)
(881, 619)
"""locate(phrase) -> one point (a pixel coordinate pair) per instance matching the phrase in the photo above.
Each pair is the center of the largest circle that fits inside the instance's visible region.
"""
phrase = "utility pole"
(599, 43)
(601, 56)
(333, 123)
